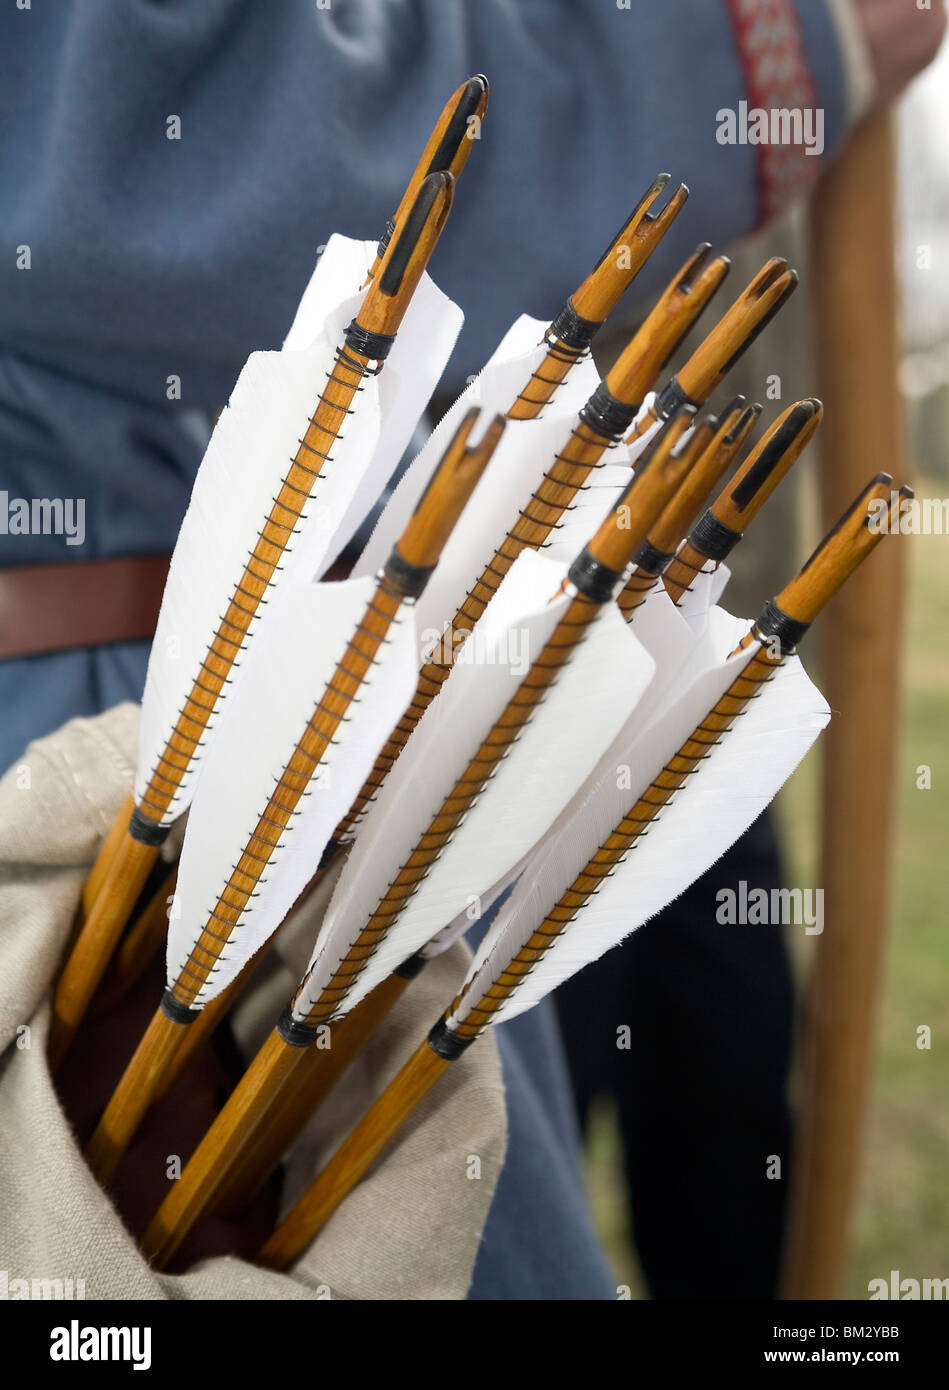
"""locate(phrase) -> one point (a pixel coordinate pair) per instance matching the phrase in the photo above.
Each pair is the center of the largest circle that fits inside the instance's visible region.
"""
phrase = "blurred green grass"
(902, 1220)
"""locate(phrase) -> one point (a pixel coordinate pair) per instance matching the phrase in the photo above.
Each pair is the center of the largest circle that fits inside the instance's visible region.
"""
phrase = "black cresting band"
(296, 1034)
(713, 538)
(411, 967)
(671, 399)
(572, 330)
(592, 578)
(375, 346)
(446, 1044)
(410, 579)
(146, 831)
(608, 416)
(650, 559)
(176, 1012)
(773, 623)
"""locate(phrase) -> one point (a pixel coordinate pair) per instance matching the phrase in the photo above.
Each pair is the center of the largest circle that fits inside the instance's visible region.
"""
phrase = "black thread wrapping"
(671, 399)
(176, 1012)
(375, 346)
(606, 415)
(408, 578)
(296, 1034)
(143, 829)
(651, 560)
(712, 538)
(446, 1044)
(385, 239)
(773, 623)
(411, 967)
(592, 578)
(573, 331)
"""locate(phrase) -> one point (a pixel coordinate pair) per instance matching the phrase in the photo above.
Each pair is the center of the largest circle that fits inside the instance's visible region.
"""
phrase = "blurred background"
(902, 1219)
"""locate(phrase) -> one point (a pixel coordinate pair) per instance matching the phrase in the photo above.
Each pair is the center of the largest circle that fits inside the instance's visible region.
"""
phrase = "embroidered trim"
(778, 76)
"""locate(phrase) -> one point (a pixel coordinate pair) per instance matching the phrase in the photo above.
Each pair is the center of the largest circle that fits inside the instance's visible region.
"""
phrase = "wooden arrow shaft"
(311, 747)
(556, 491)
(357, 1154)
(255, 1097)
(477, 1014)
(262, 1150)
(558, 649)
(123, 882)
(307, 468)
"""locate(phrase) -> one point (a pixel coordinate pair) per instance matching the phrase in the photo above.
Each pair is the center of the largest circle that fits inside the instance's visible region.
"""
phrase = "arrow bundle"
(534, 612)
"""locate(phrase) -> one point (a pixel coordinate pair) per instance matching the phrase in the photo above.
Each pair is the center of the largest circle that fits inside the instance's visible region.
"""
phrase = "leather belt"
(88, 603)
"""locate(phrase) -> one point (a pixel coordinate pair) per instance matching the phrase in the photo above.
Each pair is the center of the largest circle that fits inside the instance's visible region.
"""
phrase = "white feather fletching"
(493, 391)
(525, 452)
(284, 676)
(577, 719)
(249, 454)
(717, 804)
(671, 636)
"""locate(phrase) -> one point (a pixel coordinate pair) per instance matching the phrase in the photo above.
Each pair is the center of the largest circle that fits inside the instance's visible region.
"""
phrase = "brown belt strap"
(54, 608)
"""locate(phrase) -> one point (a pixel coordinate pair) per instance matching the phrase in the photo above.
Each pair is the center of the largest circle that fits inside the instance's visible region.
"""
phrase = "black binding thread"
(607, 415)
(143, 829)
(572, 331)
(375, 346)
(294, 1033)
(712, 538)
(177, 1013)
(590, 577)
(671, 399)
(651, 560)
(411, 967)
(446, 1044)
(466, 791)
(774, 624)
(359, 369)
(384, 240)
(409, 579)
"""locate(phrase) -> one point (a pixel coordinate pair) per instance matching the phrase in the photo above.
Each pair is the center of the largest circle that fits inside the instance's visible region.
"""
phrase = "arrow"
(177, 715)
(731, 337)
(658, 549)
(603, 421)
(570, 334)
(720, 528)
(350, 960)
(567, 340)
(251, 876)
(510, 972)
(449, 145)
